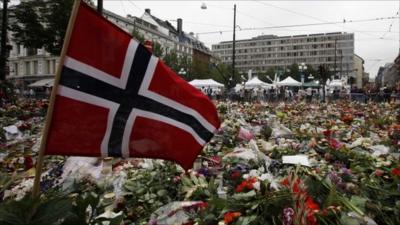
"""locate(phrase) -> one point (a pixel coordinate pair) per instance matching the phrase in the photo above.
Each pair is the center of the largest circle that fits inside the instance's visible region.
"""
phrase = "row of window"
(304, 41)
(345, 68)
(292, 53)
(44, 67)
(288, 48)
(275, 61)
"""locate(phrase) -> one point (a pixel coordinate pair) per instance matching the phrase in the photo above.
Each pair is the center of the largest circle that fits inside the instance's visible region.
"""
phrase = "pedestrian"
(31, 93)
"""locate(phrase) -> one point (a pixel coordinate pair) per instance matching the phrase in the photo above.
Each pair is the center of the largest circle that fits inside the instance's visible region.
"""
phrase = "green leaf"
(117, 220)
(240, 196)
(358, 202)
(162, 192)
(348, 220)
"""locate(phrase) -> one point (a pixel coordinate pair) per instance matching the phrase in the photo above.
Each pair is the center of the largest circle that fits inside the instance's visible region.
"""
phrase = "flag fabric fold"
(115, 98)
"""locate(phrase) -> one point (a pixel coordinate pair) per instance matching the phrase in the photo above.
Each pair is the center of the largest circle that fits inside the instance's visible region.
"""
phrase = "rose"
(379, 172)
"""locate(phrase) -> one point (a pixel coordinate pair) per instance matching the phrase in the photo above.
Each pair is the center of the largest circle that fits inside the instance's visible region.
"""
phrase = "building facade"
(29, 65)
(260, 53)
(389, 74)
(358, 71)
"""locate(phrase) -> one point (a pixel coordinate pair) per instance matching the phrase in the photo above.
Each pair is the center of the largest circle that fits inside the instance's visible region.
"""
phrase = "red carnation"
(396, 172)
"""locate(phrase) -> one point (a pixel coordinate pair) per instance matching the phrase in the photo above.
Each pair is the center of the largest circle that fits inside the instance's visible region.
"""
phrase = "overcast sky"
(377, 42)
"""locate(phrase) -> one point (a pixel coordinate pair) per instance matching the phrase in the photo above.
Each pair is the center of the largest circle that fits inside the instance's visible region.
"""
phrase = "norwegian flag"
(115, 98)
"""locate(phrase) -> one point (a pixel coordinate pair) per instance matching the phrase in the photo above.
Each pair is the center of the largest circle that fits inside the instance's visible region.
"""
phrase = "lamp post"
(302, 68)
(234, 42)
(230, 80)
(182, 72)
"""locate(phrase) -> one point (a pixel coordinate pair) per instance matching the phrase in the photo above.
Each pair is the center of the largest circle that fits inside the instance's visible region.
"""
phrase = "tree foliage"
(42, 23)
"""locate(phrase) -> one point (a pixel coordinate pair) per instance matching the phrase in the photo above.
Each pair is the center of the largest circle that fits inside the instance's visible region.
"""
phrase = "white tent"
(206, 83)
(336, 83)
(43, 83)
(289, 81)
(256, 83)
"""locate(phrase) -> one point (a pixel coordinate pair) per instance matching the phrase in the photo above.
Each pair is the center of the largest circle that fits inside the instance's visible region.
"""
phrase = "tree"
(185, 63)
(200, 69)
(270, 73)
(157, 49)
(171, 59)
(324, 73)
(223, 74)
(42, 23)
(310, 71)
(293, 72)
(138, 36)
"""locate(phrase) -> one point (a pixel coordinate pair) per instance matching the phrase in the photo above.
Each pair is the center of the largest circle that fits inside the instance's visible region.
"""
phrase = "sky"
(376, 40)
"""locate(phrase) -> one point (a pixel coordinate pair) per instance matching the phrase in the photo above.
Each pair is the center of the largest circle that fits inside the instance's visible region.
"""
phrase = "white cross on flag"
(115, 98)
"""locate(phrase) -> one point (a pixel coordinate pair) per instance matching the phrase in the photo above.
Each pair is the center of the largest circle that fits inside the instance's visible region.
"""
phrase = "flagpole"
(39, 162)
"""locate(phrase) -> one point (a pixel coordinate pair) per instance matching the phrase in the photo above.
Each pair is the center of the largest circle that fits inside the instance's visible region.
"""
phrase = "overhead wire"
(303, 25)
(390, 27)
(309, 16)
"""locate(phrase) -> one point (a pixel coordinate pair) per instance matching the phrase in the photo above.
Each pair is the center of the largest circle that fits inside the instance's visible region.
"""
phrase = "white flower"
(256, 185)
(266, 176)
(253, 173)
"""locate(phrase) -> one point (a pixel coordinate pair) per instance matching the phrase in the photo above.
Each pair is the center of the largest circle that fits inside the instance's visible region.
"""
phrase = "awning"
(43, 83)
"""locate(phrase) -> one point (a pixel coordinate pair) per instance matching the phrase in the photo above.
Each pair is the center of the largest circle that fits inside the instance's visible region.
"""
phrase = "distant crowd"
(309, 94)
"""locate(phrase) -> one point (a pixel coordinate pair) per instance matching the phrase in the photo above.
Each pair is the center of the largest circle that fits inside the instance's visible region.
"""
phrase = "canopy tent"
(43, 83)
(256, 83)
(311, 84)
(199, 83)
(289, 81)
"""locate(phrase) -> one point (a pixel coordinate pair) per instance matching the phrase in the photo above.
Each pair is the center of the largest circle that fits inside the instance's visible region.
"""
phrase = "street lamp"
(182, 72)
(302, 68)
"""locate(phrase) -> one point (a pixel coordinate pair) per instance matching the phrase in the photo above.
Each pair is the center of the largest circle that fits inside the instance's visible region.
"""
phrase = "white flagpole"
(39, 162)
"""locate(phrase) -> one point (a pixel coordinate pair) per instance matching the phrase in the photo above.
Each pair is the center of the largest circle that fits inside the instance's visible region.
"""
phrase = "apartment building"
(29, 65)
(358, 71)
(261, 52)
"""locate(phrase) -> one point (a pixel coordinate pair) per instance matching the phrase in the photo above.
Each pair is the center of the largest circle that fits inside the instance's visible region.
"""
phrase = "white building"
(29, 65)
(260, 53)
(358, 71)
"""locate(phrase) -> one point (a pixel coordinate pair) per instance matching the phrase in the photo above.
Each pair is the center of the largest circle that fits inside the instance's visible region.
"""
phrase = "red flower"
(286, 183)
(335, 144)
(235, 174)
(310, 205)
(28, 162)
(396, 172)
(246, 185)
(229, 217)
(327, 133)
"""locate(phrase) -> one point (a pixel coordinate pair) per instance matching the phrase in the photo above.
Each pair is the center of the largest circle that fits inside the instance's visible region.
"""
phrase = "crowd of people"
(309, 94)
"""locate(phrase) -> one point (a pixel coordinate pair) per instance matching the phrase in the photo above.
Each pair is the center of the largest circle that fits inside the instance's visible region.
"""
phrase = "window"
(27, 68)
(35, 67)
(31, 51)
(16, 69)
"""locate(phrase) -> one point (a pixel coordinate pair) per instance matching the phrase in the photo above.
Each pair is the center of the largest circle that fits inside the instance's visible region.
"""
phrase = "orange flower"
(229, 217)
(347, 118)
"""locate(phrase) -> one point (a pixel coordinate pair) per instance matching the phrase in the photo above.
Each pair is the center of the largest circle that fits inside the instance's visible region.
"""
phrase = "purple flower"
(346, 171)
(204, 171)
(334, 177)
(288, 214)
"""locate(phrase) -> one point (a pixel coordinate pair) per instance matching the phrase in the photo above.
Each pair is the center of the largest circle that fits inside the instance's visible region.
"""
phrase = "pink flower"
(379, 172)
(245, 134)
(333, 143)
